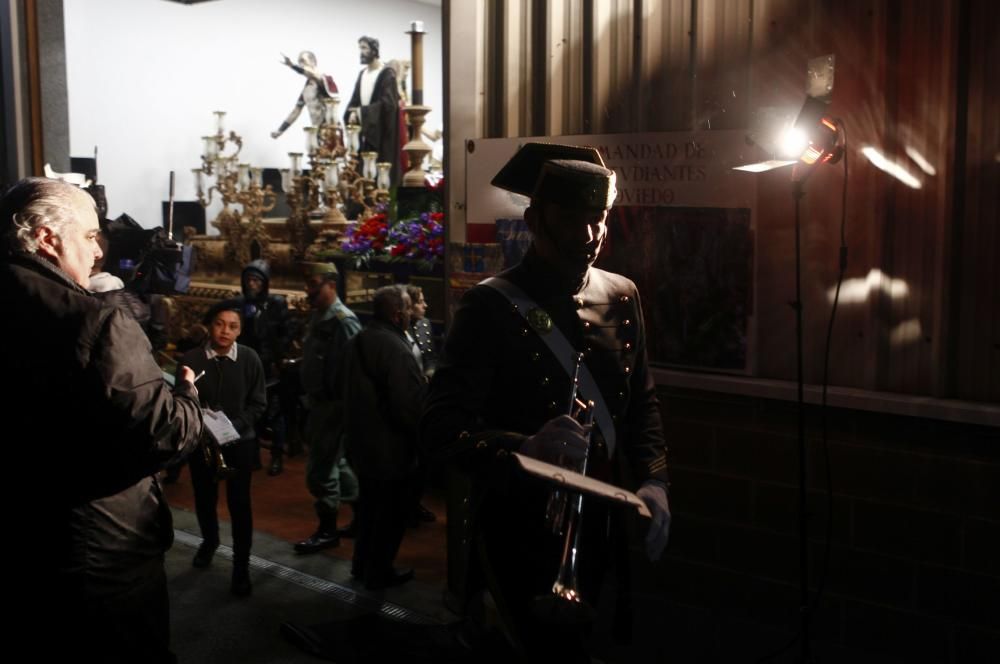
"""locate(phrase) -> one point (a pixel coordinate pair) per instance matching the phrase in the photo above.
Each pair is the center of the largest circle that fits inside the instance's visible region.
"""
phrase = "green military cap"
(568, 175)
(310, 268)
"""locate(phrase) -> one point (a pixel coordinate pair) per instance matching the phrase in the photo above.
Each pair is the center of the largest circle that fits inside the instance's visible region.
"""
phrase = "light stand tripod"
(828, 149)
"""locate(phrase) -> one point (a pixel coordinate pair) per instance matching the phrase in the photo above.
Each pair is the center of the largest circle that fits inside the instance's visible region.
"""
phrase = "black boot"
(325, 537)
(277, 464)
(350, 531)
(387, 579)
(203, 557)
(241, 586)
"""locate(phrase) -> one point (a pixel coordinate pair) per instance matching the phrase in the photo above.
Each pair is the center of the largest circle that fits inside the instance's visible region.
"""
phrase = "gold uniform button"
(586, 325)
(628, 370)
(624, 299)
(552, 405)
(579, 302)
(524, 331)
(626, 322)
(628, 345)
(544, 381)
(536, 356)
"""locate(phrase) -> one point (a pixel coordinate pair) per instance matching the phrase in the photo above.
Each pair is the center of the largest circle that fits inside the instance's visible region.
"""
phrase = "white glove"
(654, 495)
(560, 440)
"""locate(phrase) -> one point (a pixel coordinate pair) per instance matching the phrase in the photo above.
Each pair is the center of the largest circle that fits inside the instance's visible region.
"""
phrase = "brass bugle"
(565, 584)
(214, 459)
(564, 603)
(555, 509)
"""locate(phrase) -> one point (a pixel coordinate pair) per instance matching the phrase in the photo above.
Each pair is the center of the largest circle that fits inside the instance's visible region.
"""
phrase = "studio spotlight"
(813, 138)
(821, 139)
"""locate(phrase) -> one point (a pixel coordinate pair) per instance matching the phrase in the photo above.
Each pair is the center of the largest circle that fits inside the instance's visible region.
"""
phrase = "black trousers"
(239, 457)
(274, 417)
(70, 624)
(383, 508)
(520, 557)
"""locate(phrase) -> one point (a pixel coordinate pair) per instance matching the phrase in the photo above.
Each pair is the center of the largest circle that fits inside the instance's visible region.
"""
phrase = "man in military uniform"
(504, 385)
(329, 478)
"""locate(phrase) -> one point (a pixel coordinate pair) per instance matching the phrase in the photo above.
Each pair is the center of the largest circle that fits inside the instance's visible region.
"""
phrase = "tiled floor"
(208, 624)
(283, 509)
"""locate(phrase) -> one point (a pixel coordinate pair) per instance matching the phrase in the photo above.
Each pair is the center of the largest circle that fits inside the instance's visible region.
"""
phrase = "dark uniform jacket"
(423, 335)
(322, 350)
(498, 383)
(90, 420)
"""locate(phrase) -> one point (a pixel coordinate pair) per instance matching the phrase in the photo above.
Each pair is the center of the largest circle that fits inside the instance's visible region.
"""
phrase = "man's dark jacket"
(89, 420)
(383, 388)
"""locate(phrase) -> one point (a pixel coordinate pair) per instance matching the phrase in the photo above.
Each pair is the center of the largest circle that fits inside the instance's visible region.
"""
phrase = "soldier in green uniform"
(328, 477)
(502, 385)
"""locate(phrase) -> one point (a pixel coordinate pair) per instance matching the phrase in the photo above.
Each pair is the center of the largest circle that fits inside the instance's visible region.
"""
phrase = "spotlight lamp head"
(820, 138)
(813, 138)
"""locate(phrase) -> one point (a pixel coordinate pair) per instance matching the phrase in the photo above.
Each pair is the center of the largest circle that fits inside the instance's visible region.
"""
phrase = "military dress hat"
(568, 175)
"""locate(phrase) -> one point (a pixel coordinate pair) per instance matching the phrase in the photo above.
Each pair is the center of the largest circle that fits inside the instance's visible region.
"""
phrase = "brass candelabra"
(237, 184)
(340, 179)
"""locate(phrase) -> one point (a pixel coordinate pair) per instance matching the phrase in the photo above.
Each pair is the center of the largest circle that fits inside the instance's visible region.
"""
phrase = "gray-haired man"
(102, 423)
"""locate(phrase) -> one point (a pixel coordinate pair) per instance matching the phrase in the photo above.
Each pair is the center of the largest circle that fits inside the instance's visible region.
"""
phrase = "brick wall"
(914, 574)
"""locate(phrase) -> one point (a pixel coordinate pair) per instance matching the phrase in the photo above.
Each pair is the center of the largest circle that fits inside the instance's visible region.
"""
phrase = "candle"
(383, 175)
(199, 181)
(417, 62)
(311, 141)
(219, 115)
(211, 147)
(243, 176)
(332, 177)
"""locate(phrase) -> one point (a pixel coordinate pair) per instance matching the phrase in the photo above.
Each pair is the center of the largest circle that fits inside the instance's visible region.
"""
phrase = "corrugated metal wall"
(910, 77)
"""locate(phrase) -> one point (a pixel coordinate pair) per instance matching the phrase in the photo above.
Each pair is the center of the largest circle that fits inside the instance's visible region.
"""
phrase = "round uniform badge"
(540, 321)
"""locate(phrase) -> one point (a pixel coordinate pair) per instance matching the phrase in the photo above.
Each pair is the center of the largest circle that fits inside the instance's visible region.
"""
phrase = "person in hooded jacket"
(267, 329)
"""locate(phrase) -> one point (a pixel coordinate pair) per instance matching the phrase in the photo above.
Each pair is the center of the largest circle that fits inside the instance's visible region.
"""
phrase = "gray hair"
(388, 300)
(33, 203)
